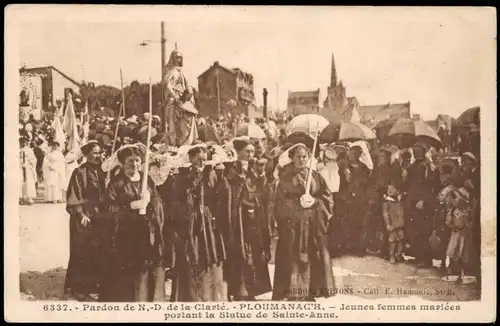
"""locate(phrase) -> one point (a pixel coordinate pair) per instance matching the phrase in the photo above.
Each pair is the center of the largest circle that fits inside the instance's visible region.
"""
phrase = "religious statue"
(179, 101)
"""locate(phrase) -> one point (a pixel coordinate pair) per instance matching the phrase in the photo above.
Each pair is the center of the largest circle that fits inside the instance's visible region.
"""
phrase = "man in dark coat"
(84, 203)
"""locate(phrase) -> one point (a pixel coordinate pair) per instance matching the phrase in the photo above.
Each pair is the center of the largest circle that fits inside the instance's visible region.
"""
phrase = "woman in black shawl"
(250, 231)
(136, 270)
(303, 264)
(199, 223)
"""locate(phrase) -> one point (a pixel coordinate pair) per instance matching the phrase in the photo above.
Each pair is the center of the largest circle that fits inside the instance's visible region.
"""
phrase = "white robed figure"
(27, 162)
(54, 174)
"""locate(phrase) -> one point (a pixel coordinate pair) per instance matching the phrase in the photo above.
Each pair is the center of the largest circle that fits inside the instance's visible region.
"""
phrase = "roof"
(384, 111)
(304, 94)
(216, 64)
(25, 73)
(30, 70)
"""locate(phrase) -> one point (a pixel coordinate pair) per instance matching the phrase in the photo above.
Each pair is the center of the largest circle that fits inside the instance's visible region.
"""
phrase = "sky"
(442, 60)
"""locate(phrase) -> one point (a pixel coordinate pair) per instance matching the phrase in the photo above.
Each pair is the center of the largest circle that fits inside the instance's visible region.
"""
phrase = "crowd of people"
(211, 228)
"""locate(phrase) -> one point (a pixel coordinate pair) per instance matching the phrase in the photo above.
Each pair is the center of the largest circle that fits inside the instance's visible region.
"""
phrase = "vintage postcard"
(250, 164)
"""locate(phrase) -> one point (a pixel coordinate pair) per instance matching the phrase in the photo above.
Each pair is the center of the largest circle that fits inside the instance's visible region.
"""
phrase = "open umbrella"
(406, 132)
(307, 124)
(251, 130)
(383, 127)
(470, 116)
(345, 131)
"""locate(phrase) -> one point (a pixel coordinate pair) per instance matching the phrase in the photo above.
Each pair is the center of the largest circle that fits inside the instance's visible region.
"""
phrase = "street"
(44, 253)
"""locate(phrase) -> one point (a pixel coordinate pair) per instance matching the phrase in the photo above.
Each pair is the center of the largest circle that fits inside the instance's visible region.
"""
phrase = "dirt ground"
(44, 253)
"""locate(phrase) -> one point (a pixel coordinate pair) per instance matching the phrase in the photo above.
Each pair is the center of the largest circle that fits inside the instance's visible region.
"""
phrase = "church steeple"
(333, 77)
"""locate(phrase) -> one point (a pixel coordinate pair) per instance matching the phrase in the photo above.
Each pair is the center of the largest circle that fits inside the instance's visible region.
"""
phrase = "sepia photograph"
(236, 164)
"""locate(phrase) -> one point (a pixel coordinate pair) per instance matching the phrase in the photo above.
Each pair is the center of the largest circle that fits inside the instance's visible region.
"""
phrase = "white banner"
(30, 95)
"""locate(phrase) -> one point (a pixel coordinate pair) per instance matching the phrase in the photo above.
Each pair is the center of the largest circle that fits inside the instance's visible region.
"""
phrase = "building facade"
(370, 115)
(304, 102)
(222, 90)
(54, 86)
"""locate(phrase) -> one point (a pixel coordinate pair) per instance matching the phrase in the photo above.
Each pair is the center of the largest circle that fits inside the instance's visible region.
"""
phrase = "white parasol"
(309, 124)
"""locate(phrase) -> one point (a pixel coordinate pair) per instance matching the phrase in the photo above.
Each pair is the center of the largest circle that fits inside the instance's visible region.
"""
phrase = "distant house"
(234, 93)
(55, 85)
(304, 102)
(373, 114)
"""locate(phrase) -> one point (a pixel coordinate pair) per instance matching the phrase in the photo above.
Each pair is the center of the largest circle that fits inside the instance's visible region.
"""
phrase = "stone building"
(338, 107)
(370, 115)
(336, 93)
(234, 94)
(43, 87)
(303, 102)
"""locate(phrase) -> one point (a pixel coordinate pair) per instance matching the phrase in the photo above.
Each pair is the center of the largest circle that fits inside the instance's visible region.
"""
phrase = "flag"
(70, 125)
(86, 121)
(59, 132)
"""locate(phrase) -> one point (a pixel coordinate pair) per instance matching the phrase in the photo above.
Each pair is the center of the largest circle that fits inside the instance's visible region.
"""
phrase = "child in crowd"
(393, 213)
(458, 219)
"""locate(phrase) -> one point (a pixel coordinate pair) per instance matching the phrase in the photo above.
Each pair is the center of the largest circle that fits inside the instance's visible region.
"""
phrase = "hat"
(341, 145)
(88, 146)
(132, 119)
(157, 117)
(220, 166)
(469, 155)
(391, 149)
(241, 142)
(195, 149)
(356, 147)
(130, 149)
